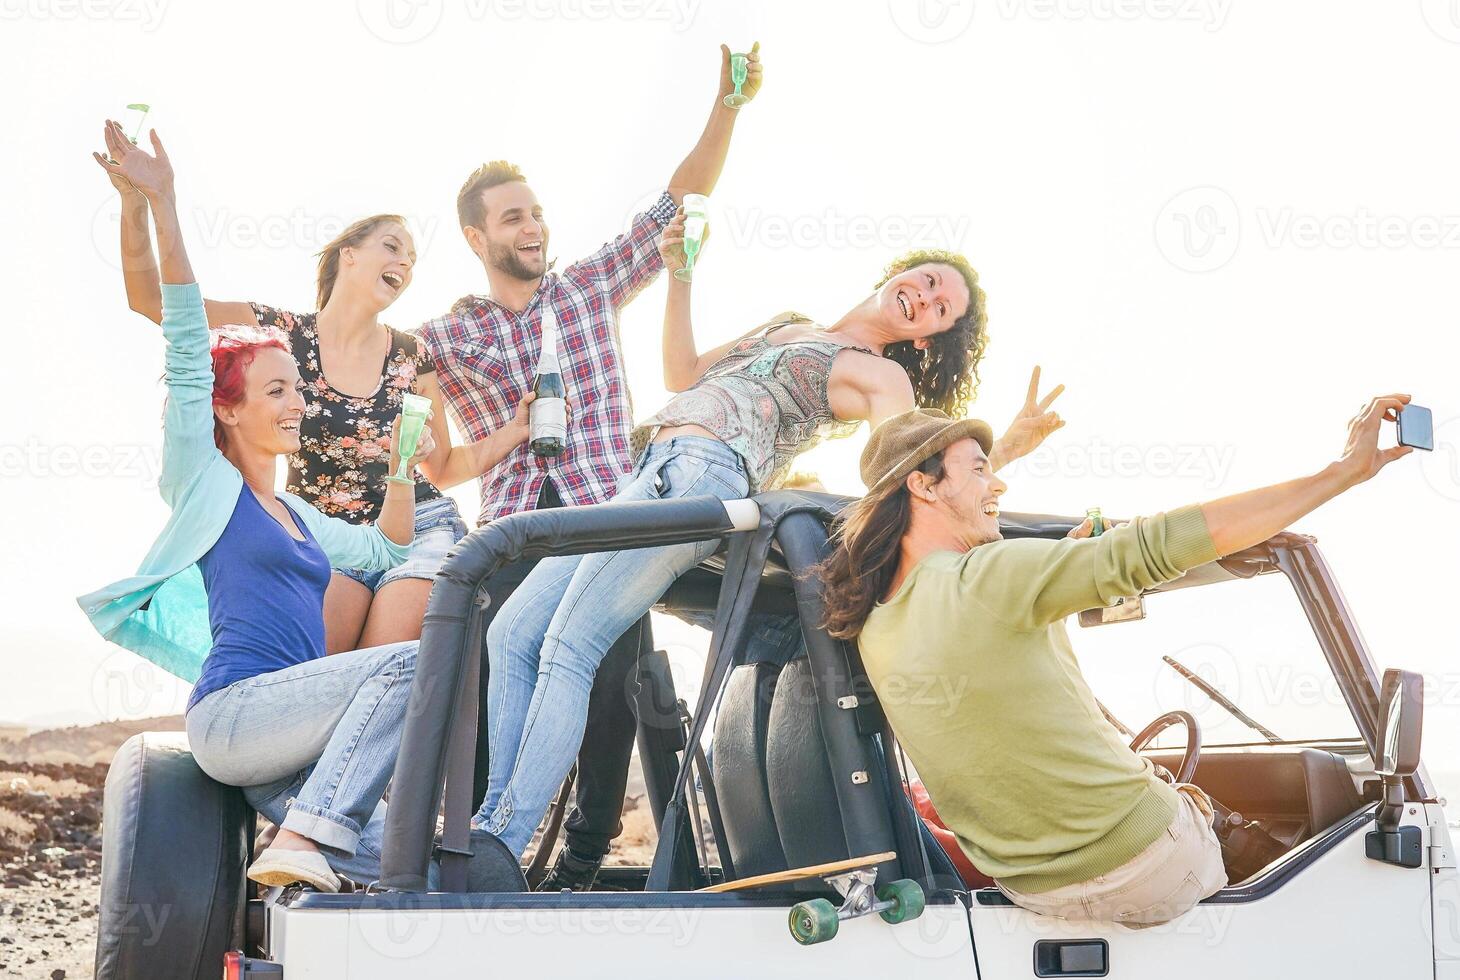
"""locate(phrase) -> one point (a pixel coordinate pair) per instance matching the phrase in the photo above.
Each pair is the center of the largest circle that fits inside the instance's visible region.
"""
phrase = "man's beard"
(974, 524)
(506, 259)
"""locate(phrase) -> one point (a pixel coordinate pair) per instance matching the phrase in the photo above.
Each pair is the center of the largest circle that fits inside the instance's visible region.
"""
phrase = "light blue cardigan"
(161, 613)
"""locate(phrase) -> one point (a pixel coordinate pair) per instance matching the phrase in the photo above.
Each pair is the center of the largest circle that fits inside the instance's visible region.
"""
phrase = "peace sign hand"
(1034, 423)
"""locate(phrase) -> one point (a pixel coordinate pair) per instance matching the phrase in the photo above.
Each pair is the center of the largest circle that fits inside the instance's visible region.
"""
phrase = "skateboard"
(817, 920)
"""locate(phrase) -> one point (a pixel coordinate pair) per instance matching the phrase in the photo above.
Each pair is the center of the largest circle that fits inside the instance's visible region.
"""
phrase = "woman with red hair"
(231, 596)
(356, 371)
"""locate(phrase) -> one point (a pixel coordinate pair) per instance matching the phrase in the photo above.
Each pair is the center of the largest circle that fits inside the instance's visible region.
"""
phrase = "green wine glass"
(142, 109)
(415, 409)
(739, 67)
(696, 216)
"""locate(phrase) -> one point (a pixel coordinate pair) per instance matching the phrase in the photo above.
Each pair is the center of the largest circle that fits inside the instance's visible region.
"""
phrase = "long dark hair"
(866, 544)
(329, 256)
(946, 374)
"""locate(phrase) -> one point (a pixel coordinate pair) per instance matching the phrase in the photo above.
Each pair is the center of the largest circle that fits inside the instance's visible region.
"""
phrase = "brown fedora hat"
(904, 442)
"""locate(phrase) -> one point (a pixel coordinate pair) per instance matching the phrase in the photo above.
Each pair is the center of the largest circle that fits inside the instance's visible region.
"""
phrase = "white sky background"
(1223, 225)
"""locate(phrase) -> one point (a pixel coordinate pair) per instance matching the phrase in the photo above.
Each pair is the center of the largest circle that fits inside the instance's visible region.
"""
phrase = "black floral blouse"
(344, 448)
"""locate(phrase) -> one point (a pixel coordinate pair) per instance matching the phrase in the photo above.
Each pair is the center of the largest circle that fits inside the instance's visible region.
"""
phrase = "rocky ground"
(50, 862)
(50, 844)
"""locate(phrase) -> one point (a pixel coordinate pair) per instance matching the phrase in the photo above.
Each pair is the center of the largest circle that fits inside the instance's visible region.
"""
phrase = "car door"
(673, 936)
(1327, 911)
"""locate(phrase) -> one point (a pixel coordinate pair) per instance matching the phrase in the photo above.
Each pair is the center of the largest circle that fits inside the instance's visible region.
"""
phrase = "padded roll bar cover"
(417, 783)
(739, 770)
(774, 506)
(864, 808)
(802, 792)
(174, 847)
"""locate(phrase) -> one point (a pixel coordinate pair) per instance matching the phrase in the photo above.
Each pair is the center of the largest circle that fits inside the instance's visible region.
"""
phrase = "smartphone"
(1416, 427)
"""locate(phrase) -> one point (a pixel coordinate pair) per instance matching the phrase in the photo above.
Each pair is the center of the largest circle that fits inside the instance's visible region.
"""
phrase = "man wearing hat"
(1040, 789)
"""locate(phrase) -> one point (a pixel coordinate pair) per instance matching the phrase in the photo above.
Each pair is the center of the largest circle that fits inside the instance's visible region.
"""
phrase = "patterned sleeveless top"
(768, 402)
(344, 440)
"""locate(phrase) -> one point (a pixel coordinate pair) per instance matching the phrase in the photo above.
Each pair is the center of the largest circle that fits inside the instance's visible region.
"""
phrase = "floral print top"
(344, 450)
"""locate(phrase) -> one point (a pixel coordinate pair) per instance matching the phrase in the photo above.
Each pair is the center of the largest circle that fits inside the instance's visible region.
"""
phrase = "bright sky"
(1223, 225)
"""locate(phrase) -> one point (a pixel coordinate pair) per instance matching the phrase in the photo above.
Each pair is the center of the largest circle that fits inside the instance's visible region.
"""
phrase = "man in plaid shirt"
(485, 352)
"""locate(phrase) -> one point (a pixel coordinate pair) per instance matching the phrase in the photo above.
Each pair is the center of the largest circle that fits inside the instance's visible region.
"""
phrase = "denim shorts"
(438, 527)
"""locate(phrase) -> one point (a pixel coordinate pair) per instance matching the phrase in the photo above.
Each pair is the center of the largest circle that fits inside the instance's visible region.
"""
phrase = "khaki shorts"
(1180, 868)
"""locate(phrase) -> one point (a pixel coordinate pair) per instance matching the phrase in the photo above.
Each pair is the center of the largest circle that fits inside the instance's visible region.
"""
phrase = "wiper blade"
(1223, 700)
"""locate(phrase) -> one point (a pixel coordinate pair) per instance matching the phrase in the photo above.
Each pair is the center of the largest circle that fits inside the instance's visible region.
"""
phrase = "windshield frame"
(1297, 557)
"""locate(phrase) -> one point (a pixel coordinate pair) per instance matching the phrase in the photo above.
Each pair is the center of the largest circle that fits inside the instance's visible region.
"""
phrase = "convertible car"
(794, 839)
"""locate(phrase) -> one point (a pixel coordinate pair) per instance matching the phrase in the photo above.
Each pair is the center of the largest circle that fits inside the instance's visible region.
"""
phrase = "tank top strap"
(784, 319)
(790, 317)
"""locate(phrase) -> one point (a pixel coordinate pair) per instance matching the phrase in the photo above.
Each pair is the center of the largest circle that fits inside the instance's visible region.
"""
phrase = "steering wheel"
(1246, 847)
(1193, 743)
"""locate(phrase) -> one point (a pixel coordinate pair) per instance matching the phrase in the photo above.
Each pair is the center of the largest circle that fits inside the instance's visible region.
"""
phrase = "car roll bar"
(438, 741)
(440, 723)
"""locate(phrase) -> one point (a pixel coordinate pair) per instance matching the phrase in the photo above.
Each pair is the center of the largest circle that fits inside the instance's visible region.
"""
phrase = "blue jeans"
(313, 746)
(547, 640)
(438, 527)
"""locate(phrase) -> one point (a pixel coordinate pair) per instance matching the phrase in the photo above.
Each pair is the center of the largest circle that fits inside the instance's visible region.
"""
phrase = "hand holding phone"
(1416, 428)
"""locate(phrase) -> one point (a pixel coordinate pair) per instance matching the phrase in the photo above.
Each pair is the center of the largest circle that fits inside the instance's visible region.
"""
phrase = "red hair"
(233, 349)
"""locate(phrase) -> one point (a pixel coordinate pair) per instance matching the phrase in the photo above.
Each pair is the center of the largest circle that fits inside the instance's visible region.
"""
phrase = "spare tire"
(174, 848)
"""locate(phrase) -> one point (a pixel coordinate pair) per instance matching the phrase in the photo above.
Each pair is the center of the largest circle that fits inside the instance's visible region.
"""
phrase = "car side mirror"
(1402, 697)
(1400, 727)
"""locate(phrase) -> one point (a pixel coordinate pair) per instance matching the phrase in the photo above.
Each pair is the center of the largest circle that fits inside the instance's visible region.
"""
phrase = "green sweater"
(973, 666)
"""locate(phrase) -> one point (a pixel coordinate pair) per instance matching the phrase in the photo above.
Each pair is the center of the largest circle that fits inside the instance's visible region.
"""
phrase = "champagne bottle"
(548, 423)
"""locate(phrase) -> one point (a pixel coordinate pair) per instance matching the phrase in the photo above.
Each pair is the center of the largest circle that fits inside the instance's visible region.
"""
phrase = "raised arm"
(140, 274)
(188, 418)
(1048, 580)
(683, 363)
(1245, 519)
(1034, 423)
(139, 265)
(700, 171)
(624, 266)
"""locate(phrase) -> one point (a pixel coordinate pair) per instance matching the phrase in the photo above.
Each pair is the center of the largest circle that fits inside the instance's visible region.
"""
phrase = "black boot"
(571, 871)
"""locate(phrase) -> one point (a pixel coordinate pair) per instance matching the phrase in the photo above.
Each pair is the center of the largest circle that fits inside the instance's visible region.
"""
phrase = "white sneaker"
(280, 867)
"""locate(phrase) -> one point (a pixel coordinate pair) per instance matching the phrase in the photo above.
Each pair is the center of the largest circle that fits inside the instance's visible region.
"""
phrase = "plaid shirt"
(486, 355)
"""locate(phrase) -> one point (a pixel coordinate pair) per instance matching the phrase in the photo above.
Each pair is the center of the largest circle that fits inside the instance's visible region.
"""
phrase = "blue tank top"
(265, 597)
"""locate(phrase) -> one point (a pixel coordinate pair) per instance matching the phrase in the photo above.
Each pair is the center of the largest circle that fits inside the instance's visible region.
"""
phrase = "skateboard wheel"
(814, 921)
(907, 898)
